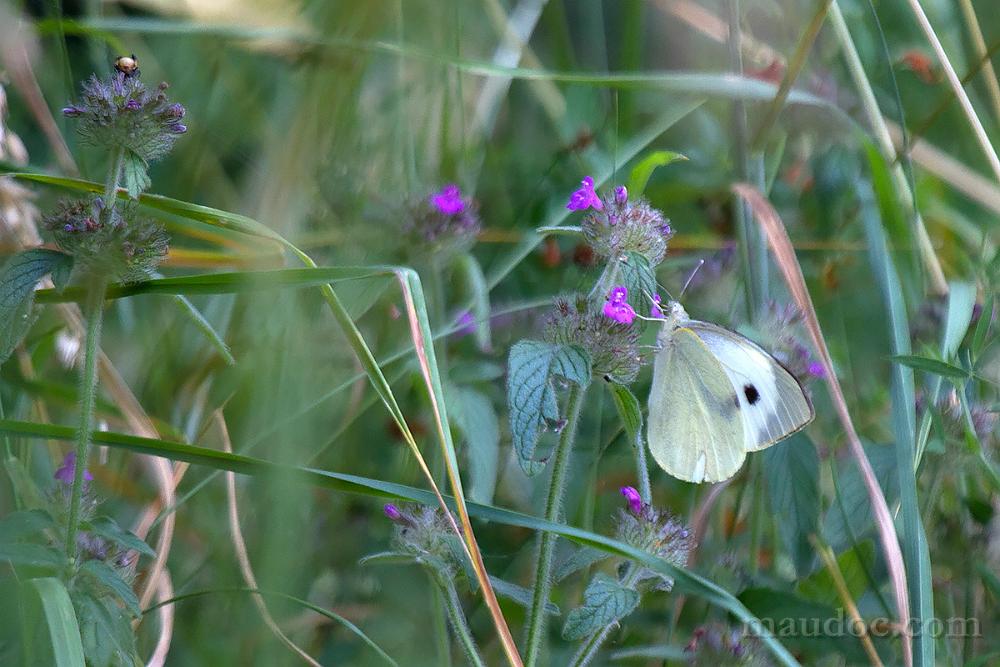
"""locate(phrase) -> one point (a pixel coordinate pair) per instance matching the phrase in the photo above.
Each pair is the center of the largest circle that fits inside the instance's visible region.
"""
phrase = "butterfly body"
(716, 396)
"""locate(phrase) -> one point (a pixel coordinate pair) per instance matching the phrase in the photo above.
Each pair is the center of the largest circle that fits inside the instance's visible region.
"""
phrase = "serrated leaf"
(473, 415)
(639, 177)
(852, 564)
(105, 575)
(792, 471)
(849, 517)
(605, 602)
(934, 366)
(629, 411)
(109, 529)
(134, 176)
(530, 397)
(17, 289)
(577, 560)
(639, 279)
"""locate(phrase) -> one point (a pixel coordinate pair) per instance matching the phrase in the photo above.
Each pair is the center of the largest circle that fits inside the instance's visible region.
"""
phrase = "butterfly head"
(674, 314)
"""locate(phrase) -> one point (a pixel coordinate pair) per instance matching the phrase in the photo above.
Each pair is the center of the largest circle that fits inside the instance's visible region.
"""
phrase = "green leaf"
(961, 302)
(39, 624)
(933, 366)
(27, 523)
(629, 411)
(854, 564)
(31, 555)
(604, 602)
(640, 280)
(792, 471)
(106, 575)
(57, 623)
(109, 529)
(17, 286)
(134, 176)
(475, 282)
(983, 326)
(519, 594)
(206, 328)
(106, 632)
(577, 560)
(639, 177)
(849, 517)
(473, 415)
(530, 397)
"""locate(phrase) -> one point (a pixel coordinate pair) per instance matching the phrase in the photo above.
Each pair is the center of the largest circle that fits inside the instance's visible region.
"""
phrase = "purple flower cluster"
(615, 226)
(120, 113)
(608, 336)
(617, 307)
(655, 531)
(448, 201)
(445, 220)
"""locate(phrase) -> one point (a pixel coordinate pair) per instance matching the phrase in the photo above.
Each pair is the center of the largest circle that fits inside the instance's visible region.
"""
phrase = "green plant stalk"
(547, 541)
(594, 642)
(438, 611)
(456, 618)
(88, 394)
(642, 471)
(88, 371)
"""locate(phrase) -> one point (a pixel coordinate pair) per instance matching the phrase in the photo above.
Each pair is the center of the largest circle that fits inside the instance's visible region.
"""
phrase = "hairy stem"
(88, 393)
(547, 541)
(594, 642)
(456, 618)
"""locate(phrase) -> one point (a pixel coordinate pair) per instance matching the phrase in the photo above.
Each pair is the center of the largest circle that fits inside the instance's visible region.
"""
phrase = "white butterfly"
(717, 395)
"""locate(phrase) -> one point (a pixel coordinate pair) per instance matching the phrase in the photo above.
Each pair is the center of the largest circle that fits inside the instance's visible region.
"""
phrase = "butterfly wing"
(695, 430)
(772, 403)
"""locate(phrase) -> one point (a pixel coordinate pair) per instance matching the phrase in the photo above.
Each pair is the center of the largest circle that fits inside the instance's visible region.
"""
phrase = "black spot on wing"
(751, 393)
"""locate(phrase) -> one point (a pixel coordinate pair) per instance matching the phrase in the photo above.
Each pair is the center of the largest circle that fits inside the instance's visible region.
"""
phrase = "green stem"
(546, 540)
(458, 623)
(642, 471)
(111, 183)
(88, 394)
(590, 647)
(440, 627)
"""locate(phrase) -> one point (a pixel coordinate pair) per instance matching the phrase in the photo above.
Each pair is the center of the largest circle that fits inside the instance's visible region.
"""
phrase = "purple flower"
(617, 307)
(72, 112)
(133, 105)
(175, 111)
(654, 310)
(393, 513)
(67, 471)
(585, 197)
(621, 195)
(816, 369)
(177, 128)
(633, 499)
(448, 200)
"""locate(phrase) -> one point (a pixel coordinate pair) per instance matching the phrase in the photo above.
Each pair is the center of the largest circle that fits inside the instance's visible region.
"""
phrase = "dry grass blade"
(956, 86)
(830, 561)
(240, 546)
(784, 255)
(979, 44)
(428, 368)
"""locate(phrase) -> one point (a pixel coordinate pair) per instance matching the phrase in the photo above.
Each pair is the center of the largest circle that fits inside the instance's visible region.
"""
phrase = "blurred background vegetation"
(325, 120)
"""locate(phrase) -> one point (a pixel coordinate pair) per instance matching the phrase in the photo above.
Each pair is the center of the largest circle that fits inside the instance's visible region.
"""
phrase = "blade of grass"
(915, 550)
(956, 85)
(784, 254)
(284, 596)
(342, 482)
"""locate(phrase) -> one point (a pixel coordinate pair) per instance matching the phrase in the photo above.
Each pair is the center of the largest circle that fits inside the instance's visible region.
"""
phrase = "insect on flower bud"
(127, 65)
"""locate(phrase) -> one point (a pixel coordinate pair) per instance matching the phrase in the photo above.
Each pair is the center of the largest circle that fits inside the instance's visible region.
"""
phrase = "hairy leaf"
(604, 602)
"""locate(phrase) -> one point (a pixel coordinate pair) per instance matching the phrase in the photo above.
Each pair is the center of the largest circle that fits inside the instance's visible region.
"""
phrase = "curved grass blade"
(784, 254)
(333, 616)
(684, 580)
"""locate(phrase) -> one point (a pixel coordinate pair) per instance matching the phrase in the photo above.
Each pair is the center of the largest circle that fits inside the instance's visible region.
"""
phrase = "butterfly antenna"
(701, 263)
